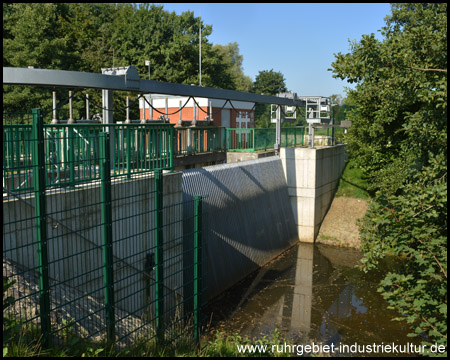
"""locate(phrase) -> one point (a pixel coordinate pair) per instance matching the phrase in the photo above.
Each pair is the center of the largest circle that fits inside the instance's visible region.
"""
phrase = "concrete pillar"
(312, 176)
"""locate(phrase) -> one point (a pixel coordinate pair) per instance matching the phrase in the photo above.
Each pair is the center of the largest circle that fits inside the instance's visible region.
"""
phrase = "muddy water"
(312, 294)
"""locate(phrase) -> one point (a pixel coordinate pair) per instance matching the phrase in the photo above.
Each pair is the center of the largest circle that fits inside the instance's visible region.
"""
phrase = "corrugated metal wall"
(248, 217)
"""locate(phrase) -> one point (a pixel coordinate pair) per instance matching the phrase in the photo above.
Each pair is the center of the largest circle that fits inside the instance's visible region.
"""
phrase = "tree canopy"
(230, 54)
(88, 37)
(267, 82)
(399, 138)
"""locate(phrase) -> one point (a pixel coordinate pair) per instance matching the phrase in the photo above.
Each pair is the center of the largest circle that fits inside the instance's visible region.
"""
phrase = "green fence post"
(108, 280)
(253, 133)
(159, 275)
(265, 140)
(38, 160)
(171, 146)
(198, 226)
(71, 155)
(223, 139)
(128, 153)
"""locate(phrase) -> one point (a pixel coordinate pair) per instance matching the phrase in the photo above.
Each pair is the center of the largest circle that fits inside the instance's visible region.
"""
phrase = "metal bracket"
(130, 73)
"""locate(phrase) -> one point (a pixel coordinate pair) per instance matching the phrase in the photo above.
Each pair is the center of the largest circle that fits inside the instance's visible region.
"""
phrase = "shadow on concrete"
(248, 218)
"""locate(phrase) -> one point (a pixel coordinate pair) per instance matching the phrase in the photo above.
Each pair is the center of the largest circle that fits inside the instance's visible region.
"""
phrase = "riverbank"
(340, 226)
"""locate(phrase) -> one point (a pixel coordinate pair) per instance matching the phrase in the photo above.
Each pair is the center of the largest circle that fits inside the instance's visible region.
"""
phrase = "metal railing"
(263, 139)
(198, 140)
(71, 149)
(258, 139)
(240, 139)
(71, 152)
(106, 261)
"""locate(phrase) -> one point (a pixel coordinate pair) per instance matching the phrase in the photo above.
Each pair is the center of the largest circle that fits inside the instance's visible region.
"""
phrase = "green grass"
(352, 183)
(24, 343)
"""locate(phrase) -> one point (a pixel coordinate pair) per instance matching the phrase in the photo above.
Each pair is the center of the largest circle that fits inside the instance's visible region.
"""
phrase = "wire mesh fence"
(107, 256)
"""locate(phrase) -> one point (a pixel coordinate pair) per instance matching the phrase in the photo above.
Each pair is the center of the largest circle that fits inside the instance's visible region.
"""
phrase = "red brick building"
(240, 115)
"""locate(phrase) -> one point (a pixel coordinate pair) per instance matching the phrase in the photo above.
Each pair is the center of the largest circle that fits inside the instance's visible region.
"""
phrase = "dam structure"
(257, 209)
(100, 230)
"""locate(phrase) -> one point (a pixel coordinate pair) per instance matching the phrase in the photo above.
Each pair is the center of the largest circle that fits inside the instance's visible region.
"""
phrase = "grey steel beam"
(76, 79)
(61, 78)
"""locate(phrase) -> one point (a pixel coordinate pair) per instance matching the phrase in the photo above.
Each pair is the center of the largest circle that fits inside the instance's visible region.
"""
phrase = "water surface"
(312, 294)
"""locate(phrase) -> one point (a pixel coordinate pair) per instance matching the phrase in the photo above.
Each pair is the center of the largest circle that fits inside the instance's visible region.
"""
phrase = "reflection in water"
(311, 294)
(303, 290)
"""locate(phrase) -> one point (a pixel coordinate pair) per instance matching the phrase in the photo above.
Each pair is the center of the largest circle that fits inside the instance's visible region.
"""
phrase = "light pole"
(147, 63)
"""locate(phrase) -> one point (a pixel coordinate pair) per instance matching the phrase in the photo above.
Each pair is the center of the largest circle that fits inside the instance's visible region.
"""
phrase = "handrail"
(72, 152)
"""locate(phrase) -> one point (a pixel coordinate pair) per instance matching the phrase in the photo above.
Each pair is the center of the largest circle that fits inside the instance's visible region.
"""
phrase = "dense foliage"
(233, 59)
(89, 37)
(399, 139)
(267, 83)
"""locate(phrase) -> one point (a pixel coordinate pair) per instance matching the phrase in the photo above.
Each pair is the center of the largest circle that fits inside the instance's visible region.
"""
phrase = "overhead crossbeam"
(76, 79)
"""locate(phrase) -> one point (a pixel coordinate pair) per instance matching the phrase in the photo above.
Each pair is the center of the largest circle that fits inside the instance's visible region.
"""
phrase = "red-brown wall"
(187, 114)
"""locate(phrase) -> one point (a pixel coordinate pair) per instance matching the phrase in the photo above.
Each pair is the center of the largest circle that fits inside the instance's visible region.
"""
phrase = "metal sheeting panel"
(249, 219)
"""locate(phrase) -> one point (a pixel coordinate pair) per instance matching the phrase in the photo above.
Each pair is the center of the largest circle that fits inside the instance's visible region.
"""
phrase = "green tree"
(267, 82)
(233, 59)
(89, 37)
(33, 36)
(399, 138)
(337, 109)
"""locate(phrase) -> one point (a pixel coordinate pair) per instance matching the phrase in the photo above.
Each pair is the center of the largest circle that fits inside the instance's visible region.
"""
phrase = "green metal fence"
(263, 139)
(105, 260)
(240, 139)
(292, 137)
(71, 152)
(197, 140)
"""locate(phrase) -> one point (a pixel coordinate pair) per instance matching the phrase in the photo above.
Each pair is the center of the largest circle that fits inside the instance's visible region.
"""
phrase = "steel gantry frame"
(127, 79)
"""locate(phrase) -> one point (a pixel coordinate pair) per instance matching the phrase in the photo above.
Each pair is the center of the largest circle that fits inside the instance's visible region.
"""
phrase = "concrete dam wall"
(253, 211)
(248, 217)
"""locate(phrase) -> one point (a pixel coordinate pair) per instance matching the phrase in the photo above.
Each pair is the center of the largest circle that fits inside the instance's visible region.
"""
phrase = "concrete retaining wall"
(312, 176)
(236, 156)
(248, 221)
(254, 210)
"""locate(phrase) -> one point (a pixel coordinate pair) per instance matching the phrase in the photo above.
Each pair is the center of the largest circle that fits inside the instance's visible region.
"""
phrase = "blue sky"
(298, 40)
